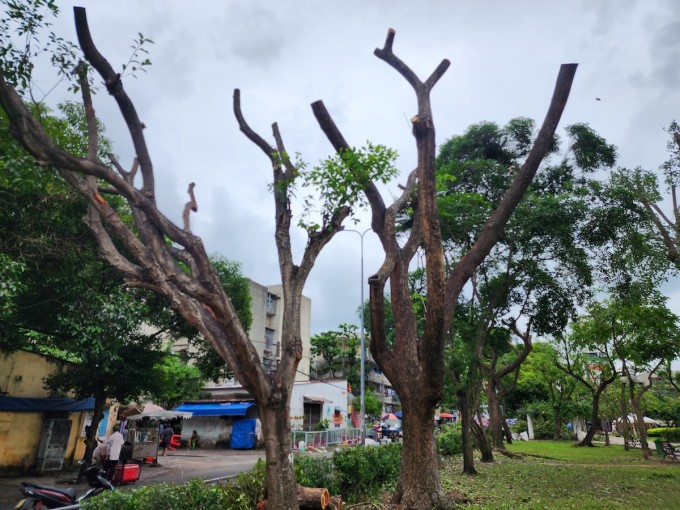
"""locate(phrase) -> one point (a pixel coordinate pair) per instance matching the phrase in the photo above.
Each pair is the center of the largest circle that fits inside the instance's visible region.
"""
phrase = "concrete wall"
(334, 392)
(21, 375)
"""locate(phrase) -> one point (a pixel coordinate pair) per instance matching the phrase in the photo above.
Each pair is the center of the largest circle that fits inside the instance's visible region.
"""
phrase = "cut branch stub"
(191, 205)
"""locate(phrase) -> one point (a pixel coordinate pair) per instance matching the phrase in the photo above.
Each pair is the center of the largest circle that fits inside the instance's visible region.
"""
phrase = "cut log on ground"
(312, 498)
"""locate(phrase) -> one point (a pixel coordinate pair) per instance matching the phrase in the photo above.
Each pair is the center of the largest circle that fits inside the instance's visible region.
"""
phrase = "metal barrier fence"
(322, 438)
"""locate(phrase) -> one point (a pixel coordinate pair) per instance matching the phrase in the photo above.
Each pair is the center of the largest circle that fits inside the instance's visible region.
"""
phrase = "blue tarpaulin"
(215, 409)
(41, 405)
(243, 434)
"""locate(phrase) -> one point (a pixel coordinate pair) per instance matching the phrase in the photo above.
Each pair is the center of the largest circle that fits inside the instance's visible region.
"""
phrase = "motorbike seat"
(67, 491)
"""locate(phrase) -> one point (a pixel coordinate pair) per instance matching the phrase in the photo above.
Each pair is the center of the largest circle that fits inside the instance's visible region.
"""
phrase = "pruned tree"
(414, 363)
(155, 254)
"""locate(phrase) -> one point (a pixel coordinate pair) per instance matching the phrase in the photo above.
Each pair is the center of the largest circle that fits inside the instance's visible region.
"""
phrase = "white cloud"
(285, 55)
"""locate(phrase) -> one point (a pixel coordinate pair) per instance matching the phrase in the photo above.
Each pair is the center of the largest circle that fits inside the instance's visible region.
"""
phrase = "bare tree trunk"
(91, 434)
(466, 428)
(594, 417)
(506, 428)
(495, 425)
(417, 466)
(624, 419)
(640, 418)
(482, 441)
(280, 484)
(557, 434)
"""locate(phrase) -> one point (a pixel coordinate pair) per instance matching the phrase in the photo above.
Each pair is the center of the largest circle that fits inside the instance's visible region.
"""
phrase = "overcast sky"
(284, 55)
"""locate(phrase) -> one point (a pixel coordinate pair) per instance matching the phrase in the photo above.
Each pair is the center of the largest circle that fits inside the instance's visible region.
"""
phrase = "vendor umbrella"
(398, 414)
(445, 415)
(389, 417)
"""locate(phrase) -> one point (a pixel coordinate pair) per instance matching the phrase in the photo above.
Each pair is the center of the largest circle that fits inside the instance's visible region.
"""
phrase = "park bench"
(666, 449)
(634, 442)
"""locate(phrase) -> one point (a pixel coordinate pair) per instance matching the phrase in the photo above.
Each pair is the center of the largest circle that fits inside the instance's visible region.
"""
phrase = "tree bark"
(482, 441)
(312, 498)
(594, 417)
(417, 464)
(466, 428)
(624, 419)
(495, 424)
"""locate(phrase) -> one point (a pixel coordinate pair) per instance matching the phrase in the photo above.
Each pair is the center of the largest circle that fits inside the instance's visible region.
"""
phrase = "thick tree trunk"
(594, 417)
(419, 484)
(624, 419)
(557, 434)
(495, 425)
(482, 441)
(639, 420)
(466, 427)
(91, 435)
(281, 489)
(506, 428)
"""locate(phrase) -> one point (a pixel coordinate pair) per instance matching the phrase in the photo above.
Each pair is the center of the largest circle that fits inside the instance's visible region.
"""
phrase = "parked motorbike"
(45, 496)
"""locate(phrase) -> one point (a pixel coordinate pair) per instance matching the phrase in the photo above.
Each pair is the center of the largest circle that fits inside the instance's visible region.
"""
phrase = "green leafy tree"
(638, 331)
(538, 273)
(175, 381)
(338, 349)
(110, 356)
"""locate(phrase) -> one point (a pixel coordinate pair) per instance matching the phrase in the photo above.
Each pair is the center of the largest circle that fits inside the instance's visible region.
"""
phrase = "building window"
(268, 341)
(271, 303)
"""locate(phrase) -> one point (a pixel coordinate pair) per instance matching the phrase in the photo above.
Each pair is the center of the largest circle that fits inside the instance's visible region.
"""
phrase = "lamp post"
(362, 348)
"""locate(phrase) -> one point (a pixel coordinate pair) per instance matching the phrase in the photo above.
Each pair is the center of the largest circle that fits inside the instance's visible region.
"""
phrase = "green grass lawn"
(565, 477)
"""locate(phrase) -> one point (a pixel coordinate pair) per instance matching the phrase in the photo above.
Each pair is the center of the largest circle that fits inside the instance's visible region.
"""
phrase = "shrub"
(450, 440)
(317, 471)
(668, 433)
(243, 493)
(365, 470)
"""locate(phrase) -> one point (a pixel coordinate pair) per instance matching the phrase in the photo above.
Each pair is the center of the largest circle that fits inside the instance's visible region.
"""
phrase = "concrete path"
(178, 466)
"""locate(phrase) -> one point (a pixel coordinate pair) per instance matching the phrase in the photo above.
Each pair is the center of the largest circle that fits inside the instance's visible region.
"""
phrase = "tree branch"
(115, 87)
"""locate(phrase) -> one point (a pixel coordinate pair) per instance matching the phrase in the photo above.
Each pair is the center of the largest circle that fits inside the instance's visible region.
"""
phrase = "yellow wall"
(21, 375)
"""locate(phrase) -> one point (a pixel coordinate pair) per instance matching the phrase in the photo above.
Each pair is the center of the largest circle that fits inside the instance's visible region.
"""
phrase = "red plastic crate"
(126, 473)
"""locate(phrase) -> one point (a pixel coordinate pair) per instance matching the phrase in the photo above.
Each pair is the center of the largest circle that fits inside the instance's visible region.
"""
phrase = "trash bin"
(658, 442)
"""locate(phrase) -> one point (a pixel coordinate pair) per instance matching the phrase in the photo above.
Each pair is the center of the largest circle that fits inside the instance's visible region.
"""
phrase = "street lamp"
(362, 347)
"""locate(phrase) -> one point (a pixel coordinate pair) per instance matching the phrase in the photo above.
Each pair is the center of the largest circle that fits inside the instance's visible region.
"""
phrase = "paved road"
(176, 467)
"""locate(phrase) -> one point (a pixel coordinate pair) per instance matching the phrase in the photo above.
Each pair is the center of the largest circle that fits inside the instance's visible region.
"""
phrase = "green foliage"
(671, 167)
(22, 23)
(450, 440)
(175, 382)
(111, 355)
(341, 179)
(322, 424)
(243, 493)
(339, 350)
(372, 405)
(365, 470)
(668, 433)
(137, 61)
(317, 471)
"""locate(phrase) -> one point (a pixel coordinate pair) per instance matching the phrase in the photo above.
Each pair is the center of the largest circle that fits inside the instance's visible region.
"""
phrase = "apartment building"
(265, 333)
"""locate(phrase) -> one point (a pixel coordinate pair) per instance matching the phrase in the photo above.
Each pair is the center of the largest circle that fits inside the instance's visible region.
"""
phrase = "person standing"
(114, 443)
(166, 438)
